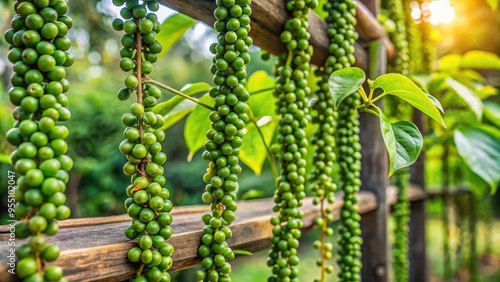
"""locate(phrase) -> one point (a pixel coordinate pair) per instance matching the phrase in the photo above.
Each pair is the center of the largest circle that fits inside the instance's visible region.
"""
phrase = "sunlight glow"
(441, 12)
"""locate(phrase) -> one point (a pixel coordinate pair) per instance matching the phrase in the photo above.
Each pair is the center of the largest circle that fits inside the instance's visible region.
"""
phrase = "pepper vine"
(39, 52)
(148, 204)
(395, 11)
(225, 138)
(401, 215)
(342, 35)
(292, 70)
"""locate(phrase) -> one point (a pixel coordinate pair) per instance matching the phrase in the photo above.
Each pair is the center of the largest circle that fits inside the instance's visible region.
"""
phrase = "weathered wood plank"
(98, 252)
(419, 271)
(268, 17)
(374, 163)
(77, 222)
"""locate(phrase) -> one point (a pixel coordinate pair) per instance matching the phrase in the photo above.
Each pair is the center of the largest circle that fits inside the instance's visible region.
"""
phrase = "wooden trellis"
(95, 249)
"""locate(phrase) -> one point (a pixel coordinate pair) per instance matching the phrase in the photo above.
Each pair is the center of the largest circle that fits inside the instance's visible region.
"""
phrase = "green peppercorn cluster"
(395, 12)
(413, 37)
(349, 159)
(401, 215)
(225, 138)
(429, 52)
(38, 50)
(148, 204)
(292, 70)
(342, 36)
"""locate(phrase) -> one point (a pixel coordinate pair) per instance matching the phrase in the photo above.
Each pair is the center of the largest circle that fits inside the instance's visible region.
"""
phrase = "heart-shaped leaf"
(403, 141)
(467, 95)
(261, 104)
(450, 62)
(344, 82)
(253, 152)
(402, 87)
(173, 28)
(436, 102)
(480, 60)
(177, 114)
(196, 127)
(480, 150)
(492, 112)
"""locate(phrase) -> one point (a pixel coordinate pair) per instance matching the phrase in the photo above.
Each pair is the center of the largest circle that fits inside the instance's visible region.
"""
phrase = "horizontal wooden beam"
(94, 249)
(269, 16)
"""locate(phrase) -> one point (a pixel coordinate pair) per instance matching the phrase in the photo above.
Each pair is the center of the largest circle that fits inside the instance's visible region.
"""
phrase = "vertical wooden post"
(374, 165)
(417, 244)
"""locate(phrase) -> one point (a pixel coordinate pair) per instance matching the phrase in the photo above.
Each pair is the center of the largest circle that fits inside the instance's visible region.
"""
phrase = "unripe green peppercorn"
(148, 204)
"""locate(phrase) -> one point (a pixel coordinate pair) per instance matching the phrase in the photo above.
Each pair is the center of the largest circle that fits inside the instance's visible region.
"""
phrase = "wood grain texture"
(269, 16)
(374, 164)
(97, 252)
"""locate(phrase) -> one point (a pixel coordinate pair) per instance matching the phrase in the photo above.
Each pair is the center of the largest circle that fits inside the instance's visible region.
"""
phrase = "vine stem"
(138, 61)
(139, 271)
(177, 92)
(363, 95)
(269, 153)
(39, 263)
(378, 97)
(370, 96)
(371, 112)
(323, 239)
(262, 90)
(289, 58)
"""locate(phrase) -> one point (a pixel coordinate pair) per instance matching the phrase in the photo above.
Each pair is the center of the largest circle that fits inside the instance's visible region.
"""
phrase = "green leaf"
(320, 11)
(480, 150)
(402, 87)
(437, 83)
(261, 104)
(252, 194)
(480, 60)
(403, 142)
(4, 158)
(486, 91)
(172, 30)
(422, 80)
(468, 76)
(493, 4)
(467, 95)
(253, 152)
(196, 127)
(436, 102)
(344, 82)
(477, 185)
(177, 114)
(449, 63)
(188, 89)
(492, 112)
(242, 252)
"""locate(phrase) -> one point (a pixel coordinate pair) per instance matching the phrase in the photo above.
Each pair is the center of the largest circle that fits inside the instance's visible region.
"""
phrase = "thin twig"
(262, 91)
(138, 60)
(323, 239)
(177, 92)
(269, 153)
